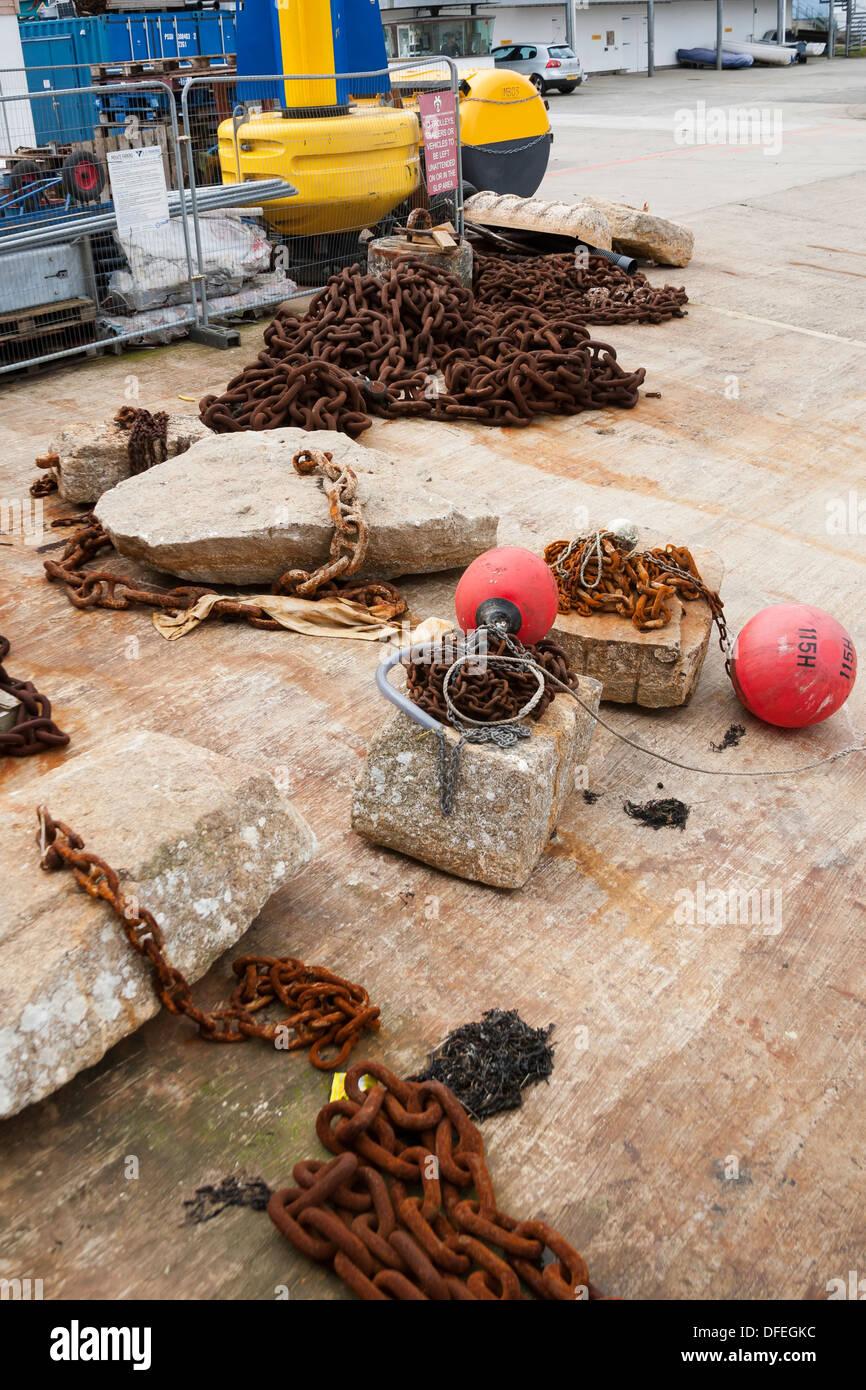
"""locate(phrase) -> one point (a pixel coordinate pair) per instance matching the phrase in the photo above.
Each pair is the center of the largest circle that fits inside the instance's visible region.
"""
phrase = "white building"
(608, 37)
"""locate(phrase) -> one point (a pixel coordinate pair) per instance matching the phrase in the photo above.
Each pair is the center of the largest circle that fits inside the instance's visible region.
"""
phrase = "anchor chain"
(324, 1009)
(357, 1212)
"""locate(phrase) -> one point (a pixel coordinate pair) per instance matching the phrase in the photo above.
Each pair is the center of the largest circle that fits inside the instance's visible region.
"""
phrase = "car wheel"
(539, 84)
(567, 87)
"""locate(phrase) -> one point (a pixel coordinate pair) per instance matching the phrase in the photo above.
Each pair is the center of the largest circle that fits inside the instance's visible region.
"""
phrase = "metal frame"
(187, 201)
(66, 229)
(205, 79)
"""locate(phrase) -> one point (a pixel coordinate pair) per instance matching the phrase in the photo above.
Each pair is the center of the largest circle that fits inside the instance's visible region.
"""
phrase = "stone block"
(655, 669)
(507, 800)
(200, 839)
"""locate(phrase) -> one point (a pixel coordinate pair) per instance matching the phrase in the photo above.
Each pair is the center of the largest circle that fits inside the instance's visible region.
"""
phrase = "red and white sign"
(439, 125)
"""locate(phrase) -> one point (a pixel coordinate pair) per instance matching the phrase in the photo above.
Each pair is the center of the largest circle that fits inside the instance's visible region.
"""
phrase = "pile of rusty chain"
(148, 437)
(357, 1213)
(483, 692)
(102, 589)
(351, 532)
(34, 731)
(418, 343)
(637, 585)
(324, 1009)
(600, 293)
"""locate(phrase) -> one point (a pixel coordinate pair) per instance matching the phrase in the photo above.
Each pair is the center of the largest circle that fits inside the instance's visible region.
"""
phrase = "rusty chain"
(357, 1214)
(147, 444)
(48, 483)
(417, 342)
(100, 588)
(636, 585)
(324, 1009)
(34, 731)
(479, 690)
(599, 293)
(351, 532)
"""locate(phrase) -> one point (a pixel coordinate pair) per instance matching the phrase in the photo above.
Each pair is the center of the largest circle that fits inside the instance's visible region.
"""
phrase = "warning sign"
(439, 125)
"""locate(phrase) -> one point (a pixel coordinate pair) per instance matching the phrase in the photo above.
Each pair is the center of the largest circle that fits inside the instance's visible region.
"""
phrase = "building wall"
(678, 24)
(16, 124)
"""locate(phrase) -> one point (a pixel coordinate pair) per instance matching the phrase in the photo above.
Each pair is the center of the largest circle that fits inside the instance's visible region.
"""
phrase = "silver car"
(546, 64)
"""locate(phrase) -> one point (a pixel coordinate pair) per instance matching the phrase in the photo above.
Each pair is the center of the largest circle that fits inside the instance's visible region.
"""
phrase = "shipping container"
(58, 54)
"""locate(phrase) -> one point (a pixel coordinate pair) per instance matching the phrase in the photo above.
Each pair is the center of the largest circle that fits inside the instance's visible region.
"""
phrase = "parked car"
(546, 64)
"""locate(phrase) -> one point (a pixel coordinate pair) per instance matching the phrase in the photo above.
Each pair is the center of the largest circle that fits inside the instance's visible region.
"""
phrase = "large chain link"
(324, 1009)
(357, 1213)
(34, 731)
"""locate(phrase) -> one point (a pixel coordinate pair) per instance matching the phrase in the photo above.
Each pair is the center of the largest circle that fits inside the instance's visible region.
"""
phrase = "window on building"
(456, 38)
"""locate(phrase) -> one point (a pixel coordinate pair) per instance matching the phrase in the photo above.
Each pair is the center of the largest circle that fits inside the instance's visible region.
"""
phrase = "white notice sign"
(138, 188)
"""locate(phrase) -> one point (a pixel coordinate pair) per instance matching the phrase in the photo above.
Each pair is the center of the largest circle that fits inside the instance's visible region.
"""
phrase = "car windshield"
(561, 52)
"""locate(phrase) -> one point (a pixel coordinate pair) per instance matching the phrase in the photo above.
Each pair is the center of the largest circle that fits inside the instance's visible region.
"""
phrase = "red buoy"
(793, 665)
(508, 586)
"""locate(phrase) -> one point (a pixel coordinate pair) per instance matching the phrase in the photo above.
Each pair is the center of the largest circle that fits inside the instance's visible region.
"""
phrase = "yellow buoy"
(350, 170)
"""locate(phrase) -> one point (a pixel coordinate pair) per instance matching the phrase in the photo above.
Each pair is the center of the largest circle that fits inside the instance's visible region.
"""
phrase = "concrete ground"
(702, 1134)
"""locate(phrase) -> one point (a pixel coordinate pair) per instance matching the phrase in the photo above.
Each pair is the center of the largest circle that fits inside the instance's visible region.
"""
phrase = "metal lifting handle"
(397, 697)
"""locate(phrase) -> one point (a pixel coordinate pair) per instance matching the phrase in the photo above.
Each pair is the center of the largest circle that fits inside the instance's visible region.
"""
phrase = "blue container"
(58, 54)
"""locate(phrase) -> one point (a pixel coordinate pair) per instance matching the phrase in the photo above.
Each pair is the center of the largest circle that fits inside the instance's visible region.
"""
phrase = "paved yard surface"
(702, 1134)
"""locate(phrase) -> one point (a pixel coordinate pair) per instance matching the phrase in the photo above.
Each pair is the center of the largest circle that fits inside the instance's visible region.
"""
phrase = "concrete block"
(507, 800)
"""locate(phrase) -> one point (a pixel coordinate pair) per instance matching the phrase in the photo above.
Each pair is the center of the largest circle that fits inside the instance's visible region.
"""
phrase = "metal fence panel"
(358, 165)
(74, 283)
(71, 282)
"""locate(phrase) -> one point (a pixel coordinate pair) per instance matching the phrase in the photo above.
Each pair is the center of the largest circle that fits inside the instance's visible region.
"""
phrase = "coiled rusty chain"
(148, 437)
(351, 532)
(34, 731)
(486, 699)
(597, 293)
(324, 1009)
(480, 691)
(417, 342)
(637, 585)
(100, 588)
(357, 1213)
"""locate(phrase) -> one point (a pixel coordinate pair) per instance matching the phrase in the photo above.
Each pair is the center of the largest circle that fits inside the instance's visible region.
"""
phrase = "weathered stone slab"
(233, 510)
(582, 221)
(507, 800)
(93, 458)
(200, 839)
(654, 669)
(636, 232)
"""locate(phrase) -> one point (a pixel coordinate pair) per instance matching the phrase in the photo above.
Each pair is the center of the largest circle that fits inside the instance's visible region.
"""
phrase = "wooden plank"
(443, 240)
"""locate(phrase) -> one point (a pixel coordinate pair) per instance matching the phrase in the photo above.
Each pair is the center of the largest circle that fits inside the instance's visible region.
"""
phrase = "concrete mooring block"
(507, 800)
